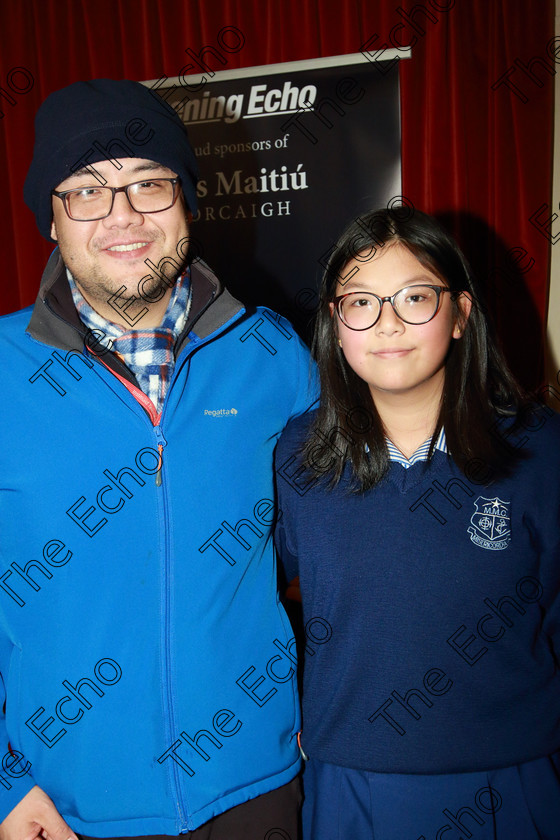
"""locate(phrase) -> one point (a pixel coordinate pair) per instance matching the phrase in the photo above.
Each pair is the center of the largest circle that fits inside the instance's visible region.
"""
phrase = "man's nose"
(122, 213)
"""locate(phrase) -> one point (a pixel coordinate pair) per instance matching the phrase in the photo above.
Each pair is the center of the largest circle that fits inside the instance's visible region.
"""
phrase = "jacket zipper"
(166, 629)
(155, 422)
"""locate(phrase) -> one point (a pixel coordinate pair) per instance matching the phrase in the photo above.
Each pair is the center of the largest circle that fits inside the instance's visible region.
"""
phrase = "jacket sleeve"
(305, 376)
(15, 774)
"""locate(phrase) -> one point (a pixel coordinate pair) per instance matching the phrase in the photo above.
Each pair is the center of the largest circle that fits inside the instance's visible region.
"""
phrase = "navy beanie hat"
(91, 121)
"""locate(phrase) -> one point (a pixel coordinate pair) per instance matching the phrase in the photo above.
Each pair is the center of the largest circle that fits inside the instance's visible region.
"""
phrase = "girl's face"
(393, 357)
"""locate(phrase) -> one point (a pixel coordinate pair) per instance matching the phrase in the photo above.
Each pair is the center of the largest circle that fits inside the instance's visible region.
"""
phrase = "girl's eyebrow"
(353, 287)
(420, 280)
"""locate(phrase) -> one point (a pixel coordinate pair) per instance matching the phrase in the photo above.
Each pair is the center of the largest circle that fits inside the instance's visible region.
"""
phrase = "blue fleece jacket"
(146, 662)
(432, 609)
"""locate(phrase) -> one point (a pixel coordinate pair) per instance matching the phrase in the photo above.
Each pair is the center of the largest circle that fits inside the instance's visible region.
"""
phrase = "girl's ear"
(464, 305)
(335, 324)
(332, 310)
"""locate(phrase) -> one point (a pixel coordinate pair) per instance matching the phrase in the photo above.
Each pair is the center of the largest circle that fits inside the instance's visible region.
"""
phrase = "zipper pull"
(161, 443)
(158, 473)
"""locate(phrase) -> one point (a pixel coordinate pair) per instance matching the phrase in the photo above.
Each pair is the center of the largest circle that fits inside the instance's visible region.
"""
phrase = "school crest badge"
(492, 523)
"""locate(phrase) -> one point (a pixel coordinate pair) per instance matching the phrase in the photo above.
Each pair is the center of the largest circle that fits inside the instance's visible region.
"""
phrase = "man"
(148, 668)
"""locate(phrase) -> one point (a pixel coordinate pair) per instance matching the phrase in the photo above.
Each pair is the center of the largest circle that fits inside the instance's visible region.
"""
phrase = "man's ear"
(464, 305)
(53, 231)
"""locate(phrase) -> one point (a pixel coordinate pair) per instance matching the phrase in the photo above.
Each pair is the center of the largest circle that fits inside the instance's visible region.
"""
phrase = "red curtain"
(476, 113)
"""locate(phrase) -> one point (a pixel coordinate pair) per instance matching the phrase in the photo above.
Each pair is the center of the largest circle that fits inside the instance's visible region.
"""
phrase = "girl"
(420, 506)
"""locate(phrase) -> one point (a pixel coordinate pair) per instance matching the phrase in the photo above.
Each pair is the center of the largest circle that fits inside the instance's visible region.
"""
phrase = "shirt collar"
(174, 319)
(149, 352)
(421, 453)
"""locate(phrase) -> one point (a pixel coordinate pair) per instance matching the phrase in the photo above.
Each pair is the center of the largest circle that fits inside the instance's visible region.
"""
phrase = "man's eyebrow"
(149, 166)
(85, 170)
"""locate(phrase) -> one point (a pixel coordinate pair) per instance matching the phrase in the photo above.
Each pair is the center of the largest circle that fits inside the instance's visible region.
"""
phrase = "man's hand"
(35, 817)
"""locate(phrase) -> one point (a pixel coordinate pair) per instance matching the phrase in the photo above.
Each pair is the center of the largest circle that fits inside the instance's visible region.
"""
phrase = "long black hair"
(478, 387)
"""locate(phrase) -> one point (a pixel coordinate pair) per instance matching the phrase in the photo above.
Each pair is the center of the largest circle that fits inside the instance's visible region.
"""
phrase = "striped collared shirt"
(421, 453)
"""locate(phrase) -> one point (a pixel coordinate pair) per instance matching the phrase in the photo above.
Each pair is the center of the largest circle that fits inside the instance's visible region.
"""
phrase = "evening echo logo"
(261, 101)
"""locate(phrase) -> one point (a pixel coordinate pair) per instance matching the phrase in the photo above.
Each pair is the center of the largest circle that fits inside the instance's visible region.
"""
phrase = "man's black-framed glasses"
(413, 305)
(88, 204)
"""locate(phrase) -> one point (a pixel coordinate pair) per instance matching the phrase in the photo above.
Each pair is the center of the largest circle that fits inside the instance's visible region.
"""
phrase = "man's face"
(99, 253)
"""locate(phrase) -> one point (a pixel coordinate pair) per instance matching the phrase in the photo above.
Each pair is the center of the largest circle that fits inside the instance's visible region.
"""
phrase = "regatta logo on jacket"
(221, 412)
(491, 521)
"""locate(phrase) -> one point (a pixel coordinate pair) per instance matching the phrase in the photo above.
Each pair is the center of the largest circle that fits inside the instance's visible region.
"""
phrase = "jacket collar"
(55, 322)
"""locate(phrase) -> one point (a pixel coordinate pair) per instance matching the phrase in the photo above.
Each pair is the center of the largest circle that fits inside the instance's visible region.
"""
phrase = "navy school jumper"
(434, 605)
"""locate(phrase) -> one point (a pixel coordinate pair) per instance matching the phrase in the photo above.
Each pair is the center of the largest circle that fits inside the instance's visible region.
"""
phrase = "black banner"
(288, 156)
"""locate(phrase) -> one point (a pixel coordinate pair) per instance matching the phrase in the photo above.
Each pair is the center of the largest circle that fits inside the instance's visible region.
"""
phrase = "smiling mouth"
(394, 352)
(133, 246)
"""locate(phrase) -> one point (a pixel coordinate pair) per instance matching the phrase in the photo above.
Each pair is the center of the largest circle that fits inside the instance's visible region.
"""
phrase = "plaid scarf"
(148, 353)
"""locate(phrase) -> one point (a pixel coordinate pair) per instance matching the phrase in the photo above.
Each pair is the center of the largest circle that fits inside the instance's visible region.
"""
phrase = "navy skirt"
(513, 803)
